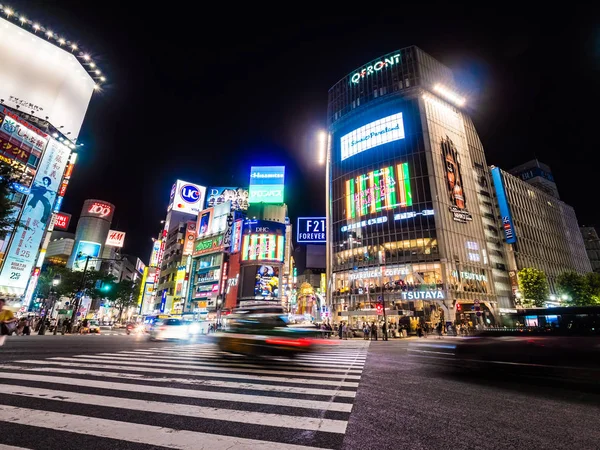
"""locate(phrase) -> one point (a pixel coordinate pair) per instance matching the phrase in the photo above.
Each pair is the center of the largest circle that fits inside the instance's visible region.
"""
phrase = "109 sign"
(311, 230)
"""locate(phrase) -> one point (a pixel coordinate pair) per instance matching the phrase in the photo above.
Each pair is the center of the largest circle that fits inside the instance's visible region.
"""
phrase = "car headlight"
(194, 328)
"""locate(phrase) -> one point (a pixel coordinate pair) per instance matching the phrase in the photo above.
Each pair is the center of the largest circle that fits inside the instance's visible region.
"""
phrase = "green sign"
(208, 245)
(266, 194)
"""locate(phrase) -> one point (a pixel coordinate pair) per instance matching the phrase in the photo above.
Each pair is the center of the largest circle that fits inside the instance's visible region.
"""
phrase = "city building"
(541, 229)
(45, 89)
(592, 246)
(537, 174)
(405, 222)
(60, 248)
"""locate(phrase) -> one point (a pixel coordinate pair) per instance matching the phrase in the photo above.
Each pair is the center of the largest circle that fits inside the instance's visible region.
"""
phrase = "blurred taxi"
(262, 330)
(164, 329)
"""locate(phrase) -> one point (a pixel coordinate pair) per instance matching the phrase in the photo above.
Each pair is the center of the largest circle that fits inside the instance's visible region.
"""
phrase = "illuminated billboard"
(20, 140)
(115, 238)
(311, 230)
(85, 249)
(267, 282)
(237, 196)
(37, 211)
(382, 131)
(61, 221)
(379, 190)
(41, 79)
(507, 220)
(190, 238)
(263, 241)
(187, 197)
(266, 184)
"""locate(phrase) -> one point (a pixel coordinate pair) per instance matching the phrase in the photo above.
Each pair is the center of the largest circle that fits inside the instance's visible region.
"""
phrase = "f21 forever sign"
(311, 230)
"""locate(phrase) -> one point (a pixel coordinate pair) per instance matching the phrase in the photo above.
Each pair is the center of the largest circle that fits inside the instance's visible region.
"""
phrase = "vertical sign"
(507, 222)
(36, 214)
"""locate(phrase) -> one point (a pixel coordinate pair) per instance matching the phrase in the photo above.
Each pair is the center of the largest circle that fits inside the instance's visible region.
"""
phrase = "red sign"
(101, 209)
(190, 237)
(62, 221)
(14, 150)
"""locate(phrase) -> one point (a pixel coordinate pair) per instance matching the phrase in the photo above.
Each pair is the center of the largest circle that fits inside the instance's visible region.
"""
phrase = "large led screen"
(267, 282)
(43, 80)
(382, 131)
(379, 190)
(266, 184)
(263, 247)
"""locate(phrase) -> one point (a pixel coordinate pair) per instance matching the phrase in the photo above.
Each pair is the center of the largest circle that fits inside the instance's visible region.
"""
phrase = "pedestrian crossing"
(180, 396)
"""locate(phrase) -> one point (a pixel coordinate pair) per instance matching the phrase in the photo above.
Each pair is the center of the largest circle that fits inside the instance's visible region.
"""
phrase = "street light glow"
(449, 94)
(9, 12)
(322, 146)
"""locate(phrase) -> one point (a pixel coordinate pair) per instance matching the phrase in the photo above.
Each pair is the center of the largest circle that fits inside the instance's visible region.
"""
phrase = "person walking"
(384, 331)
(419, 331)
(341, 330)
(345, 331)
(8, 322)
(439, 329)
(373, 331)
(365, 331)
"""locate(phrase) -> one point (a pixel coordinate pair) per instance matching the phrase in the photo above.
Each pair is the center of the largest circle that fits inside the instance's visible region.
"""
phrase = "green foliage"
(7, 220)
(580, 290)
(533, 285)
(127, 294)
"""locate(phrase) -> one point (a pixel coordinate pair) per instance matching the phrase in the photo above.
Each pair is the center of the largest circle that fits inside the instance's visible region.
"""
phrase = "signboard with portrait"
(37, 211)
(267, 282)
(84, 250)
(237, 196)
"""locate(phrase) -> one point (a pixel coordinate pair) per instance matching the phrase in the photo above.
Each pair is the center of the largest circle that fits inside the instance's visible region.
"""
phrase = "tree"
(127, 293)
(533, 284)
(8, 220)
(593, 281)
(575, 288)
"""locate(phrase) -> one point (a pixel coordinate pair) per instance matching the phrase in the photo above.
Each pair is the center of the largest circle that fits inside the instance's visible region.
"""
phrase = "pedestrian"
(8, 322)
(365, 331)
(419, 331)
(373, 331)
(384, 331)
(329, 330)
(27, 327)
(439, 330)
(341, 330)
(345, 331)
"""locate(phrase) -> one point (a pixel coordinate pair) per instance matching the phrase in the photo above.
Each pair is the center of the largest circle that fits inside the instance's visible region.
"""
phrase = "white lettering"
(423, 295)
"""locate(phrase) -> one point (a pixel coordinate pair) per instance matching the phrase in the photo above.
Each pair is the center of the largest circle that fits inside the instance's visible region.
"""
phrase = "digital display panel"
(237, 196)
(379, 190)
(263, 247)
(85, 249)
(266, 184)
(382, 131)
(267, 282)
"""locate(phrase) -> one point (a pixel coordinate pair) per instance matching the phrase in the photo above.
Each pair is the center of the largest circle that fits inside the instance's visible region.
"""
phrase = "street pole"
(80, 293)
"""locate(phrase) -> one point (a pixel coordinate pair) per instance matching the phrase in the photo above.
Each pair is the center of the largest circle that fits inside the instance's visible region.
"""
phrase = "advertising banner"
(36, 214)
(85, 249)
(155, 252)
(188, 197)
(266, 184)
(19, 139)
(267, 282)
(209, 245)
(204, 222)
(42, 79)
(190, 238)
(115, 238)
(507, 221)
(311, 230)
(237, 196)
(382, 131)
(61, 221)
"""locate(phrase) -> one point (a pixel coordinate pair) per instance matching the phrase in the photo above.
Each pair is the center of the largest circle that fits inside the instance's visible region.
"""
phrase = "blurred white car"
(170, 329)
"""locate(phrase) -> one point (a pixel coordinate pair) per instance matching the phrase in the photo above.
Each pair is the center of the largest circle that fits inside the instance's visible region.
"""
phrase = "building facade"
(545, 233)
(537, 174)
(406, 226)
(592, 246)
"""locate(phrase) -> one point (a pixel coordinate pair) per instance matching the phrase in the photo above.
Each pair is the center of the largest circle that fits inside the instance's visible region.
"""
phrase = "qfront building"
(407, 222)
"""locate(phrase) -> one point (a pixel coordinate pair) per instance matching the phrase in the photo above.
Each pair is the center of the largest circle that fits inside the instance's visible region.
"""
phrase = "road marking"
(193, 373)
(172, 359)
(201, 412)
(217, 383)
(297, 364)
(187, 393)
(139, 433)
(95, 359)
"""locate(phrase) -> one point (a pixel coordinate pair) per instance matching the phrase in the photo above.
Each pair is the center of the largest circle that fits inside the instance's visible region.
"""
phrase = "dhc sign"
(382, 131)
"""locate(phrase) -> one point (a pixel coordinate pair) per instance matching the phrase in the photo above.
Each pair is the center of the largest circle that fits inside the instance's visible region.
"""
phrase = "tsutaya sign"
(374, 68)
(423, 295)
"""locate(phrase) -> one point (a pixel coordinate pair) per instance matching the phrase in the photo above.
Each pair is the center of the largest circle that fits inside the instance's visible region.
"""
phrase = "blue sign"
(507, 221)
(190, 193)
(266, 184)
(311, 230)
(163, 301)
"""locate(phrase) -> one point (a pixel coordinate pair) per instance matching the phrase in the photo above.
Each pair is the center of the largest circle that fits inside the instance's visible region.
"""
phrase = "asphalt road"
(123, 392)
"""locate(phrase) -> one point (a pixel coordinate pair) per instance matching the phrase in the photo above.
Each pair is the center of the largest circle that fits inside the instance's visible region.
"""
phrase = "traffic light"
(458, 307)
(379, 309)
(106, 287)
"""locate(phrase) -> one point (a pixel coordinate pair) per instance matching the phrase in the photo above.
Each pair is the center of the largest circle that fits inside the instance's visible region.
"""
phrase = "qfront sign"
(311, 230)
(266, 184)
(382, 131)
(378, 66)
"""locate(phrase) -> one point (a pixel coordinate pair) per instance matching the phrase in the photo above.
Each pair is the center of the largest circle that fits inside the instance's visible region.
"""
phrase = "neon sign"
(374, 68)
(377, 191)
(373, 134)
(100, 209)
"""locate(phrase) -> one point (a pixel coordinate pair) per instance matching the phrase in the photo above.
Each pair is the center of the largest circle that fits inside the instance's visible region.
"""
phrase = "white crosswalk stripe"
(185, 397)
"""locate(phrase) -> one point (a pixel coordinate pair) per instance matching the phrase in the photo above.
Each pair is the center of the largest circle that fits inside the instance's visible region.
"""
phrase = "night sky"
(202, 95)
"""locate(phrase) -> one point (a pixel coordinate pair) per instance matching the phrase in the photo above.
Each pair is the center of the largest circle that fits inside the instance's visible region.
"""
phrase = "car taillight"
(290, 342)
(162, 328)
